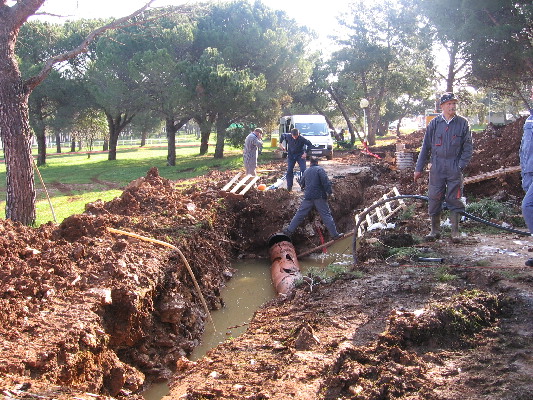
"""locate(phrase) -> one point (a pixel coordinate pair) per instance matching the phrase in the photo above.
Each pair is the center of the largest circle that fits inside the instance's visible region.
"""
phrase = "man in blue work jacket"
(297, 148)
(317, 188)
(526, 165)
(448, 147)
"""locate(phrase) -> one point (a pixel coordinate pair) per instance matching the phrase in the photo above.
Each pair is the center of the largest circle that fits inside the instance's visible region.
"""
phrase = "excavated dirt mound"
(86, 312)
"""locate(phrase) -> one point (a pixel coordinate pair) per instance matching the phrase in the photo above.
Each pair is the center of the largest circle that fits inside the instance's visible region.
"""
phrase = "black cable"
(425, 198)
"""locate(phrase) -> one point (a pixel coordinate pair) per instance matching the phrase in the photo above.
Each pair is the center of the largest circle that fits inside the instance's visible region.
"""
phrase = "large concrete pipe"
(285, 270)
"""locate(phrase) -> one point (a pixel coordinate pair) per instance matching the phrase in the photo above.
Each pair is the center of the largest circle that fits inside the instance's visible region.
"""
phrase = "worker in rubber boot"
(526, 164)
(448, 147)
(317, 188)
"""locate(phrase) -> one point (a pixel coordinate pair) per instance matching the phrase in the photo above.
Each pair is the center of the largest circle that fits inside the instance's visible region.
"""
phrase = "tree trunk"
(116, 125)
(58, 142)
(14, 128)
(38, 123)
(346, 116)
(113, 140)
(73, 145)
(170, 129)
(16, 137)
(205, 125)
(221, 137)
(41, 147)
(144, 134)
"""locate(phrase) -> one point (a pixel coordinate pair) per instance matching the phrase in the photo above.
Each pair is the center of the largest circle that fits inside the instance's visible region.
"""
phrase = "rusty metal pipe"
(285, 270)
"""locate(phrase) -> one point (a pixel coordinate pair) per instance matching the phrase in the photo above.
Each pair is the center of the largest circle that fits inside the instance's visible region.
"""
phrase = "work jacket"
(447, 145)
(526, 146)
(296, 147)
(315, 183)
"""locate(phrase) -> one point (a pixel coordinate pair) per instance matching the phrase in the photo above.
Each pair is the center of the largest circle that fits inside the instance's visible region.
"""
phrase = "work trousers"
(527, 201)
(323, 209)
(445, 185)
(291, 162)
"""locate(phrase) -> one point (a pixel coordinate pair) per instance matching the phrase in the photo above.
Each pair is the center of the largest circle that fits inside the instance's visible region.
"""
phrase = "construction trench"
(88, 313)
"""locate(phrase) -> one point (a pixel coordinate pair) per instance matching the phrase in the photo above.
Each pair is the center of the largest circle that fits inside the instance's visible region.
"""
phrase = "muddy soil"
(86, 312)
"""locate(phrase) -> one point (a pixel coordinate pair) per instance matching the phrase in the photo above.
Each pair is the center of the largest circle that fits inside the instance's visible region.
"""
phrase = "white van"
(314, 128)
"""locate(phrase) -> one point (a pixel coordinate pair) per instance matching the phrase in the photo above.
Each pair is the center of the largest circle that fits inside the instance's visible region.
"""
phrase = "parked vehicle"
(314, 128)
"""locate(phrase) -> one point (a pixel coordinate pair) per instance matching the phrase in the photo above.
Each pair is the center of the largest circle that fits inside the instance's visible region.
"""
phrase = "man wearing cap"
(448, 147)
(526, 164)
(317, 187)
(252, 147)
(297, 149)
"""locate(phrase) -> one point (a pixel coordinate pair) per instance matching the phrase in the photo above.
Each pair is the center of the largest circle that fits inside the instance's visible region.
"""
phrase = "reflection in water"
(249, 289)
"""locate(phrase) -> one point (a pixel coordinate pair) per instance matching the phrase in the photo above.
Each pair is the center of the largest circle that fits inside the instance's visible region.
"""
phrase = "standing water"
(249, 289)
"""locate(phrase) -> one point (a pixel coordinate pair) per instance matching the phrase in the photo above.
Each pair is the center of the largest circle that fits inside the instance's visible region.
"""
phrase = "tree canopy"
(241, 63)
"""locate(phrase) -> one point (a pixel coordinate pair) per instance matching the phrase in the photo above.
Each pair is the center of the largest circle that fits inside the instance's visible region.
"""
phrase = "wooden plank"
(397, 193)
(387, 204)
(255, 179)
(379, 214)
(240, 184)
(231, 182)
(492, 174)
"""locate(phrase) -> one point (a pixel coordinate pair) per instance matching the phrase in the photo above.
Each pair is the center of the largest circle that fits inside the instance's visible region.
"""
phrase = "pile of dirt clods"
(86, 309)
(90, 312)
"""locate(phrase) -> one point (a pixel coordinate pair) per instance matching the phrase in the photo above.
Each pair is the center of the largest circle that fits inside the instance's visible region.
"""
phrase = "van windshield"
(313, 128)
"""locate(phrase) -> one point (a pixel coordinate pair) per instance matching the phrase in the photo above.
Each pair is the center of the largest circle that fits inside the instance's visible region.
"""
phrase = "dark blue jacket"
(296, 147)
(315, 183)
(446, 145)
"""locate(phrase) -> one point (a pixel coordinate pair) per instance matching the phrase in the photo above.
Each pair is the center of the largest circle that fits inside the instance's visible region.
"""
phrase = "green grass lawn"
(73, 180)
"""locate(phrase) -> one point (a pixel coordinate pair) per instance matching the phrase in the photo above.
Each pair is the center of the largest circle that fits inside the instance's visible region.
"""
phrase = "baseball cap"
(448, 97)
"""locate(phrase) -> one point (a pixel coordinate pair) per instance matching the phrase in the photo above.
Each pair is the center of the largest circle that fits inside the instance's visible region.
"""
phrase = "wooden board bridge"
(239, 186)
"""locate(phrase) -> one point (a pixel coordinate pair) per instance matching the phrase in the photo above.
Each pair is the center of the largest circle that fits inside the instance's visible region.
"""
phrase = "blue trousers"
(291, 162)
(323, 209)
(527, 201)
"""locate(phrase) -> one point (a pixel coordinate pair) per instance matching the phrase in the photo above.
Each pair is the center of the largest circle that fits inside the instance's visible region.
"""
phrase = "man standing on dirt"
(448, 146)
(297, 149)
(317, 187)
(526, 165)
(252, 147)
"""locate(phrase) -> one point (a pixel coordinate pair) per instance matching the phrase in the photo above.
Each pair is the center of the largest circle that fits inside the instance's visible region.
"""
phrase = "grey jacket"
(315, 183)
(446, 144)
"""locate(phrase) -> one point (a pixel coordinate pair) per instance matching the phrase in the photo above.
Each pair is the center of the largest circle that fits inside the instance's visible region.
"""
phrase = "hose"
(425, 198)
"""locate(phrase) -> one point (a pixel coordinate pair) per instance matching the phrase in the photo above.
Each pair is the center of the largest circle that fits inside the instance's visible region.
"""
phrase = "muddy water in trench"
(251, 287)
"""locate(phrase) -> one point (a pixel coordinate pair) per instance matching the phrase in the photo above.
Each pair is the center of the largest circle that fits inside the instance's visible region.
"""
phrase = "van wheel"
(330, 157)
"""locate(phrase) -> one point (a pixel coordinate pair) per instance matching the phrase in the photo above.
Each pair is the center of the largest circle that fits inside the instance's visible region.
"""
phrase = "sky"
(320, 16)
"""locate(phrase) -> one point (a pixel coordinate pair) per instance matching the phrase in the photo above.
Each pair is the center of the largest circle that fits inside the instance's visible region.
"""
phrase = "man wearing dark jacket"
(448, 147)
(297, 148)
(526, 162)
(317, 187)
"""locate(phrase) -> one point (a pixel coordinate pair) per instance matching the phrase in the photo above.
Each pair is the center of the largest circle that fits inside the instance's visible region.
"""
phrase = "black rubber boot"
(454, 220)
(435, 228)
